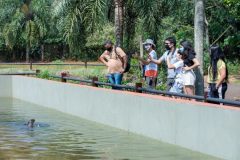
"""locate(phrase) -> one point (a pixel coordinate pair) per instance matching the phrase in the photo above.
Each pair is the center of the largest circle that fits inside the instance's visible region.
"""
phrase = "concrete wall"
(5, 86)
(206, 128)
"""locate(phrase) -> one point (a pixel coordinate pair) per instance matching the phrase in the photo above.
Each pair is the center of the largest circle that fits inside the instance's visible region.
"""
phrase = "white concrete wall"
(5, 86)
(206, 128)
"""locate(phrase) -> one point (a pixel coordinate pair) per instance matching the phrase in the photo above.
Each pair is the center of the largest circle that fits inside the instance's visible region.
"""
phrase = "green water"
(61, 136)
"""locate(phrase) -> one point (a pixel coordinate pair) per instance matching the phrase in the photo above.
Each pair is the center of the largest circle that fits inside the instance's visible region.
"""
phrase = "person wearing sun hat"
(151, 69)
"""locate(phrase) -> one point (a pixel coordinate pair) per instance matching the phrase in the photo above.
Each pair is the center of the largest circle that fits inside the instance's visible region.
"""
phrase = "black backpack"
(128, 64)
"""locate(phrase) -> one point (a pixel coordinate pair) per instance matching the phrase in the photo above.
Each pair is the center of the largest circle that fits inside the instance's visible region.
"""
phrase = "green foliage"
(44, 74)
(78, 18)
(161, 86)
(206, 63)
(82, 25)
(233, 67)
(100, 35)
(57, 62)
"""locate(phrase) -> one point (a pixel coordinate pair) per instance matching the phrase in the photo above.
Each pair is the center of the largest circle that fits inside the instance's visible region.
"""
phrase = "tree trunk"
(198, 43)
(13, 56)
(119, 22)
(42, 52)
(207, 33)
(27, 53)
(141, 46)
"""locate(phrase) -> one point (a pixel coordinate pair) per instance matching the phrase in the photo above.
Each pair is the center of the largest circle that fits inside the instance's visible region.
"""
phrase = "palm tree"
(148, 16)
(42, 18)
(9, 22)
(25, 24)
(76, 19)
(118, 4)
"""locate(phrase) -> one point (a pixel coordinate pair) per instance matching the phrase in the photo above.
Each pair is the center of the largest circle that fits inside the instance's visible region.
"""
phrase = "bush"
(44, 74)
(233, 67)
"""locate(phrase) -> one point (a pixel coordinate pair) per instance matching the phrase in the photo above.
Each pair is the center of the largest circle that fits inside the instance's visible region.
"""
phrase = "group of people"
(180, 63)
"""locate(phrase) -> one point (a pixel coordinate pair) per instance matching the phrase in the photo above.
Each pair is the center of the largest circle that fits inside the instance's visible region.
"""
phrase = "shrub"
(44, 74)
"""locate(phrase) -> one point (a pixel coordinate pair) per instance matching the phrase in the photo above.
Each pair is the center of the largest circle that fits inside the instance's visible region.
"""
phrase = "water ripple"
(60, 136)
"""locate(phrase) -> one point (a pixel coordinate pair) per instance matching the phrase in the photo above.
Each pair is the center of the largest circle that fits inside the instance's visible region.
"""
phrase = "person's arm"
(222, 76)
(156, 61)
(102, 58)
(195, 64)
(142, 60)
(124, 62)
(170, 66)
(145, 62)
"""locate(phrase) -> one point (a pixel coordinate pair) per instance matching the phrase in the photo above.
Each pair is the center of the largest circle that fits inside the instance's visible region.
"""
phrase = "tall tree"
(77, 18)
(25, 26)
(199, 20)
(42, 18)
(119, 21)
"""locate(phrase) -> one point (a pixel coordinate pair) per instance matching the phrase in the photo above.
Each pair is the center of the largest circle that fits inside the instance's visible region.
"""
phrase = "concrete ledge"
(202, 127)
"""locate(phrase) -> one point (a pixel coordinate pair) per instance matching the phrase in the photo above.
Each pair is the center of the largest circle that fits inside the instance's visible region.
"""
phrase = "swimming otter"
(30, 123)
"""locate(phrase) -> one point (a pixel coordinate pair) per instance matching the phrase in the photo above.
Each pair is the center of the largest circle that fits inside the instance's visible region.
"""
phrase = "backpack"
(128, 66)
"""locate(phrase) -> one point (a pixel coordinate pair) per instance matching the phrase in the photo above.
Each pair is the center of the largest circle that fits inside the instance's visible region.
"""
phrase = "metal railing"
(23, 74)
(58, 64)
(138, 88)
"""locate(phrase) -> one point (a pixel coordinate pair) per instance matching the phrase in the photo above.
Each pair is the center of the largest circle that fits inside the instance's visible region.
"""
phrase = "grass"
(79, 71)
(91, 71)
(129, 78)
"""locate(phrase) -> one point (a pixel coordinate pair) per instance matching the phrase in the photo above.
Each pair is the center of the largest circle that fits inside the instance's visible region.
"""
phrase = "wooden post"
(137, 86)
(94, 79)
(38, 71)
(205, 96)
(31, 65)
(62, 77)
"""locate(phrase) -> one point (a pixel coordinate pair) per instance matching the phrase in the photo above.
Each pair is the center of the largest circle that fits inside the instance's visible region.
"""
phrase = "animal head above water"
(31, 123)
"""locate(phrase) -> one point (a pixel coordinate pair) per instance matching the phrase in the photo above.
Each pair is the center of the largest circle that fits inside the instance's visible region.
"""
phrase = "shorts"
(189, 78)
(151, 82)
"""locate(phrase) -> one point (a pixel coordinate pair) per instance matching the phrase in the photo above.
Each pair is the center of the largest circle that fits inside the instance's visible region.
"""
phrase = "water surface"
(62, 136)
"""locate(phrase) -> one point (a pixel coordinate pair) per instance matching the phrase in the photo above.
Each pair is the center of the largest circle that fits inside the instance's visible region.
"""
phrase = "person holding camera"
(116, 61)
(217, 73)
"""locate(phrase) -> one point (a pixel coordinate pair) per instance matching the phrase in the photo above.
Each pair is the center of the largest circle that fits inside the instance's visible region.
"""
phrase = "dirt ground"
(233, 92)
